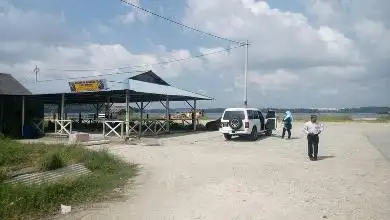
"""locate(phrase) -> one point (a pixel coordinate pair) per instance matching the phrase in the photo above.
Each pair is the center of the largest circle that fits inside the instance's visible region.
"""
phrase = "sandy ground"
(201, 176)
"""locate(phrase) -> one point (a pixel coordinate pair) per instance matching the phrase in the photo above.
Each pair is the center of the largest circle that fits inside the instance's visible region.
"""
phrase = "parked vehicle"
(213, 125)
(248, 122)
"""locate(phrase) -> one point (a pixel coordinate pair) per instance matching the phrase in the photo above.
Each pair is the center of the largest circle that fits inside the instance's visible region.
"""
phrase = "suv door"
(250, 114)
(257, 120)
(261, 119)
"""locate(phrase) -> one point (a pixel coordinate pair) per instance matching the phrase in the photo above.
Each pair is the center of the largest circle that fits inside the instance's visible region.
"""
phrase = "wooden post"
(127, 113)
(167, 117)
(1, 113)
(194, 115)
(141, 120)
(23, 115)
(63, 106)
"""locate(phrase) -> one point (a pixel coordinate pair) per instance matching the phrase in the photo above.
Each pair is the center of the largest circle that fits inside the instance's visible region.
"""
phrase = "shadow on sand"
(292, 138)
(324, 157)
(247, 139)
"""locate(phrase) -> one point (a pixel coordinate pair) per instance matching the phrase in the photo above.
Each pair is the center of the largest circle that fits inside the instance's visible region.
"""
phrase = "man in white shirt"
(312, 128)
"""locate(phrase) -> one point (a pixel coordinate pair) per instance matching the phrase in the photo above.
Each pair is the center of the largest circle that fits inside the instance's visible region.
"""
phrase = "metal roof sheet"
(144, 87)
(10, 86)
(115, 82)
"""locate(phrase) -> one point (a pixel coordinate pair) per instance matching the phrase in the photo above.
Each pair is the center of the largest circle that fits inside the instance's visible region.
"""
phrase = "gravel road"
(201, 176)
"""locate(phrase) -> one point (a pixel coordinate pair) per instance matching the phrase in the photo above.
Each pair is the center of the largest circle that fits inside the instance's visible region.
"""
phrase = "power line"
(151, 64)
(84, 77)
(144, 65)
(177, 23)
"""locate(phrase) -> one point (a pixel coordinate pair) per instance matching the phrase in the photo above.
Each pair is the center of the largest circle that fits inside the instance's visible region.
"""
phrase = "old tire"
(254, 134)
(227, 137)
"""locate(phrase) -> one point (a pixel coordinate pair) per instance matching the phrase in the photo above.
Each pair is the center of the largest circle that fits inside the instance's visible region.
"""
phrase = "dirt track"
(203, 177)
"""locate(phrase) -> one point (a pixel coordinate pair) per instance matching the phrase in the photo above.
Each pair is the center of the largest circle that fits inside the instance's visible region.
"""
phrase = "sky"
(302, 53)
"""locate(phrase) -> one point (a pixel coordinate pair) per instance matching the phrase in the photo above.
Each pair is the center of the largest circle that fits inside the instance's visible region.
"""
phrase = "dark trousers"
(312, 145)
(288, 132)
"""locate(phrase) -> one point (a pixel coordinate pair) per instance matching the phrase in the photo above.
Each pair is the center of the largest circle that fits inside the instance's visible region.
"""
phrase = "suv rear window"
(233, 114)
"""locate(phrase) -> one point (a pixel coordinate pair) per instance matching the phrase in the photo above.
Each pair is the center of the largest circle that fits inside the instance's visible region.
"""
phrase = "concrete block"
(78, 137)
(95, 142)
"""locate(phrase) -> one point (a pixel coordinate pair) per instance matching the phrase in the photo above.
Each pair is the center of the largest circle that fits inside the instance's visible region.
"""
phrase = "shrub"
(102, 160)
(12, 153)
(3, 173)
(52, 161)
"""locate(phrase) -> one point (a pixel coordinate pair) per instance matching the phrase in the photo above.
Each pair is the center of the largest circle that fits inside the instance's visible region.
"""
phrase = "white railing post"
(113, 126)
(121, 129)
(63, 126)
(55, 126)
(104, 128)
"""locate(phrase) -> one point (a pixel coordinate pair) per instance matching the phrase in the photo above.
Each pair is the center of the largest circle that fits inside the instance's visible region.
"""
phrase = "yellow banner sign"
(87, 86)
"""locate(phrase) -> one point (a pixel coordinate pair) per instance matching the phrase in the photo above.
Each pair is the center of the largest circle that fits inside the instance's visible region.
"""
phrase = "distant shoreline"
(297, 116)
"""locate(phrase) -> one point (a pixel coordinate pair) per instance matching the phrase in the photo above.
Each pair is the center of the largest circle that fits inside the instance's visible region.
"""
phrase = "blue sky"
(305, 53)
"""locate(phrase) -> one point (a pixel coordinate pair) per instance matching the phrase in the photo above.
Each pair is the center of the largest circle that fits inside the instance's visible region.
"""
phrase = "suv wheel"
(228, 137)
(254, 134)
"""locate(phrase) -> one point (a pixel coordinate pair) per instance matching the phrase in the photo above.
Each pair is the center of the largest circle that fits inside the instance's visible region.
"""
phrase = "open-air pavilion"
(104, 90)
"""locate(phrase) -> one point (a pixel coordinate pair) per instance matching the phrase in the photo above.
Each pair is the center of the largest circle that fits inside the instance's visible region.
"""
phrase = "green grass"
(204, 117)
(341, 118)
(52, 161)
(35, 201)
(385, 118)
(335, 118)
(328, 118)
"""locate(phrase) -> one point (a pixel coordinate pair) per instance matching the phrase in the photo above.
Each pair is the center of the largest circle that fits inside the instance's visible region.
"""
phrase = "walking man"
(312, 128)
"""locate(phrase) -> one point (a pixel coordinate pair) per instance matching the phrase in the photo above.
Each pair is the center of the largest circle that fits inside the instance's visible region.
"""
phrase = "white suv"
(246, 122)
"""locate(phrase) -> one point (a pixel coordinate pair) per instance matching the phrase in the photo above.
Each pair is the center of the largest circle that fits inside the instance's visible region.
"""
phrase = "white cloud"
(53, 54)
(217, 56)
(280, 39)
(329, 51)
(266, 81)
(228, 89)
(323, 10)
(293, 54)
(127, 18)
(329, 91)
(31, 26)
(98, 57)
(133, 15)
(376, 36)
(280, 80)
(368, 21)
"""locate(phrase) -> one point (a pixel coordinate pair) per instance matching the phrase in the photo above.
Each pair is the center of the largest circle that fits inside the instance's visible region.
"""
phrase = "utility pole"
(36, 70)
(245, 75)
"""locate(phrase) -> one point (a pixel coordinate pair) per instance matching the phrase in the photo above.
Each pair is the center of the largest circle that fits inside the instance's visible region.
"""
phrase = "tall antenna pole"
(245, 75)
(36, 70)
